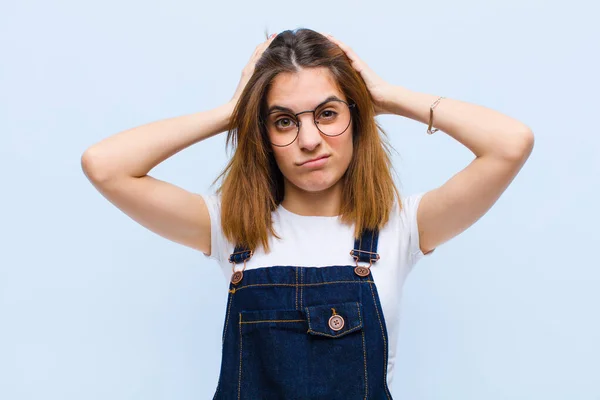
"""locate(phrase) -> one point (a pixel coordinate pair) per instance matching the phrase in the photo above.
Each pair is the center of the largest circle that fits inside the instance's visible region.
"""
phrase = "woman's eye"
(283, 123)
(328, 114)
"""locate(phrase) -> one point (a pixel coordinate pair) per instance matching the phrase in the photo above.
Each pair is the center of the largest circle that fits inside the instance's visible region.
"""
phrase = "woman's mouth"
(316, 162)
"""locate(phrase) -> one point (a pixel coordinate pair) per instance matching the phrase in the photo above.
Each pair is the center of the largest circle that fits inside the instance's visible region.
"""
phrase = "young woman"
(308, 225)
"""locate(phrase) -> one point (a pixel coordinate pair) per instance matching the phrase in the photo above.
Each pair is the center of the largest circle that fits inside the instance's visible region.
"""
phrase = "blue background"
(94, 306)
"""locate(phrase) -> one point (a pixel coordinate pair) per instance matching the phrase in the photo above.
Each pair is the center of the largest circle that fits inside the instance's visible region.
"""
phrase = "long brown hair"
(252, 185)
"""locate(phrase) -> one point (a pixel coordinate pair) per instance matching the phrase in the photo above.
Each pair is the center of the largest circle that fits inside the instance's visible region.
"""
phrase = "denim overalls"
(294, 332)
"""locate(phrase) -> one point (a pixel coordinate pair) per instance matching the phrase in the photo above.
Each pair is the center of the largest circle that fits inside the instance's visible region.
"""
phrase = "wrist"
(411, 104)
(227, 110)
(400, 103)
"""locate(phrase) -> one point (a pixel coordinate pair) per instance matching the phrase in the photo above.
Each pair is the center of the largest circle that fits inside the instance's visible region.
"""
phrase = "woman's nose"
(309, 136)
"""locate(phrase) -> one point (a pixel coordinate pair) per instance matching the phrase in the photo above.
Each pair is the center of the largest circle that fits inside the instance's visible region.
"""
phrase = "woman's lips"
(316, 163)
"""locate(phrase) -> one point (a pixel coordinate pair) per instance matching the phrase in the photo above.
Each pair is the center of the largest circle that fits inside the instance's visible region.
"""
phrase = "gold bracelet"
(429, 131)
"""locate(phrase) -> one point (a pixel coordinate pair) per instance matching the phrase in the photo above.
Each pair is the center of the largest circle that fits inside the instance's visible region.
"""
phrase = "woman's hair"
(252, 186)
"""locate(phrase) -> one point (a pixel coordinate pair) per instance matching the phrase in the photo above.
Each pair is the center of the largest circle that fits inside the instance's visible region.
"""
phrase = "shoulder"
(404, 223)
(404, 212)
(212, 200)
(409, 206)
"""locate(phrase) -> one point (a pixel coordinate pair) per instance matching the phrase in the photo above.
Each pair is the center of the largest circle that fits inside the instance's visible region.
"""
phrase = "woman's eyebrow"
(281, 108)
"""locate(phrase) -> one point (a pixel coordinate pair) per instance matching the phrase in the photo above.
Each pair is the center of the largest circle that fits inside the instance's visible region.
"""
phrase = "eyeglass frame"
(299, 123)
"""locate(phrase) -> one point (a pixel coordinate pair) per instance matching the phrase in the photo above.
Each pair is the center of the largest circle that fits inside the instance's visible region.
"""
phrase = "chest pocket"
(317, 352)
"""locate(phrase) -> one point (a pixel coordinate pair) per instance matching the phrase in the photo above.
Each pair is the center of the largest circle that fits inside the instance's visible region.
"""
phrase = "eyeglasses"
(331, 118)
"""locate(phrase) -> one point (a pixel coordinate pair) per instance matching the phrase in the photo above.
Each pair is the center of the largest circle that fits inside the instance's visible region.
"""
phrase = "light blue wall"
(96, 307)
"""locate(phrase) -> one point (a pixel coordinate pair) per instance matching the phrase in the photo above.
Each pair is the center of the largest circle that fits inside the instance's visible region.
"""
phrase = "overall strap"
(365, 247)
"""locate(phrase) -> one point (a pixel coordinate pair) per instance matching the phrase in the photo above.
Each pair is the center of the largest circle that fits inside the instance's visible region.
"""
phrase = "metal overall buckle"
(362, 270)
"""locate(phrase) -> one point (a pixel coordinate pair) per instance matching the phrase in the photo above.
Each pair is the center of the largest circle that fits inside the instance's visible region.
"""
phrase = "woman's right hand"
(249, 68)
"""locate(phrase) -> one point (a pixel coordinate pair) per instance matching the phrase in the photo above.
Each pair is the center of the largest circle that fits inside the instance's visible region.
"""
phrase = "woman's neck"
(325, 203)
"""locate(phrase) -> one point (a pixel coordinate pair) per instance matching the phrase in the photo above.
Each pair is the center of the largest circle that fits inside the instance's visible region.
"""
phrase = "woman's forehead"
(302, 90)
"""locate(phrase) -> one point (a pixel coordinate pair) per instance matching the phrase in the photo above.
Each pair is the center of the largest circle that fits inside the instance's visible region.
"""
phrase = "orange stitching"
(227, 320)
(301, 287)
(357, 327)
(384, 345)
(300, 284)
(296, 288)
(364, 352)
(240, 371)
(273, 320)
(230, 300)
(365, 358)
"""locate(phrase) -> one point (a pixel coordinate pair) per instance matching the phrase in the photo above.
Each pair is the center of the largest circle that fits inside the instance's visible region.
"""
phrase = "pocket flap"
(348, 316)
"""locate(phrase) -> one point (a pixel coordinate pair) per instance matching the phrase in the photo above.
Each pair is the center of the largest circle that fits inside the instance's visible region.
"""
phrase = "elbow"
(87, 165)
(92, 168)
(520, 146)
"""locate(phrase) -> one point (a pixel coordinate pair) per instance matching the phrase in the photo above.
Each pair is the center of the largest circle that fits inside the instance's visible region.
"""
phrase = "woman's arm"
(118, 167)
(500, 143)
(134, 152)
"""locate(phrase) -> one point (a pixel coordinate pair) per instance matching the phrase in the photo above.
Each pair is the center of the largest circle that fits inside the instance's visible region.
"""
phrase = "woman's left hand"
(381, 91)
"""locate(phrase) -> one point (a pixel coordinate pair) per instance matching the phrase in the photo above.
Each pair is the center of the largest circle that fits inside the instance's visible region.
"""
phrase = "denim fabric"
(278, 343)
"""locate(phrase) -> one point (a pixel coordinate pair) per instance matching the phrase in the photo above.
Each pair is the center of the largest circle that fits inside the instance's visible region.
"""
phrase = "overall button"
(236, 277)
(362, 271)
(336, 322)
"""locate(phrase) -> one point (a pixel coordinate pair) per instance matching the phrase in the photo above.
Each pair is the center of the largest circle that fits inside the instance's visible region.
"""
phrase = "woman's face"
(302, 91)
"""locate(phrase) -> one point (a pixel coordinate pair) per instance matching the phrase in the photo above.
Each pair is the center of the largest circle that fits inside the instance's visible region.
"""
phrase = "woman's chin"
(315, 185)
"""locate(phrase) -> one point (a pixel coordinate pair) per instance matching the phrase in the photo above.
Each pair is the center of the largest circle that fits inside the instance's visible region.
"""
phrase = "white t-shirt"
(330, 242)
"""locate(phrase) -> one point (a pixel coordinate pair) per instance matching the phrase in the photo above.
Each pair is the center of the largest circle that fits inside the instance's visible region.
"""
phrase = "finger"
(260, 48)
(344, 47)
(341, 45)
(267, 42)
(358, 64)
(263, 46)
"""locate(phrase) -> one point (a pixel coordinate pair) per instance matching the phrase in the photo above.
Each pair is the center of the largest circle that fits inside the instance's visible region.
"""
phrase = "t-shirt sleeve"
(217, 240)
(410, 205)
